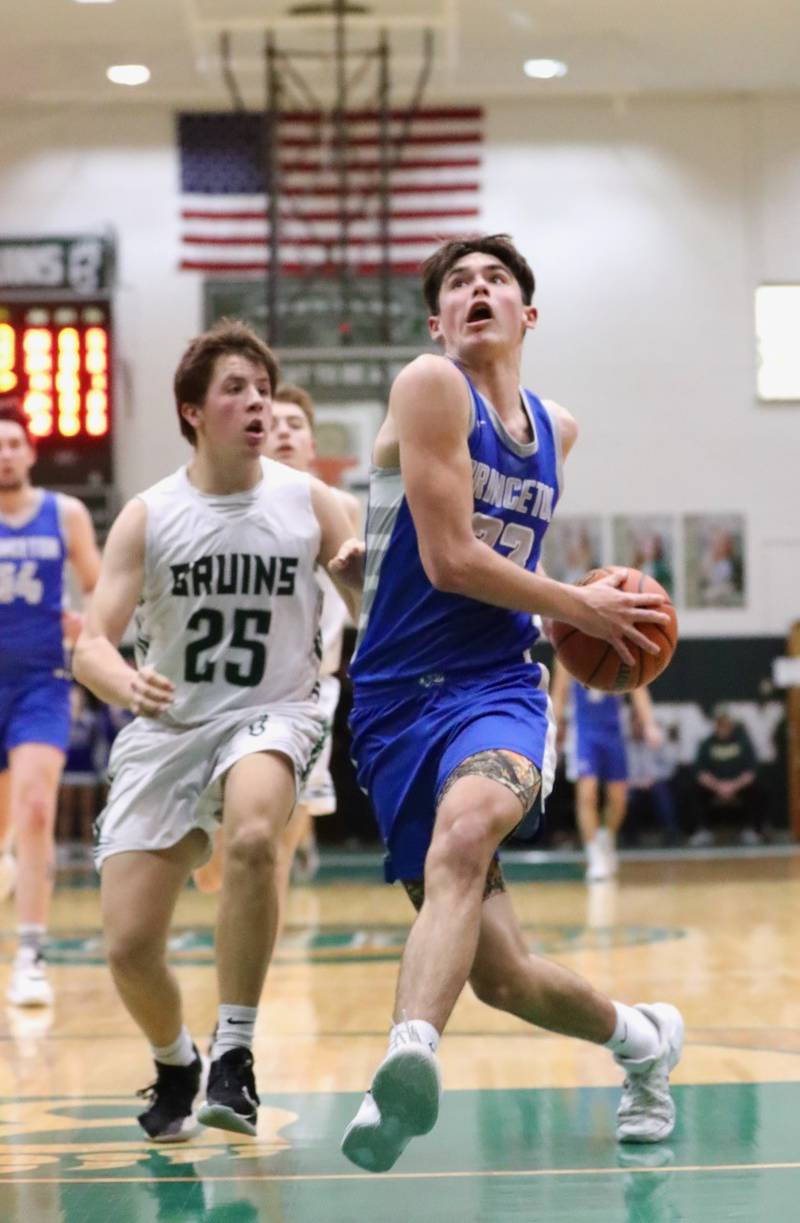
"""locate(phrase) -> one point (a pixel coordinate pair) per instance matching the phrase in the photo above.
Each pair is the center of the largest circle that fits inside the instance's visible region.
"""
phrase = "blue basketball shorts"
(33, 709)
(408, 738)
(599, 755)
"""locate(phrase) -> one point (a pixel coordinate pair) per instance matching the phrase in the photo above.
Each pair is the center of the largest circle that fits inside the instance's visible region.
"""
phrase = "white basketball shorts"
(167, 780)
(317, 794)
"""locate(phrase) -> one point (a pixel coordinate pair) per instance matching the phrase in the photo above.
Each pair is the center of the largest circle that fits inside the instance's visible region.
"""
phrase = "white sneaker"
(646, 1111)
(597, 867)
(8, 874)
(29, 985)
(402, 1103)
(609, 851)
(701, 839)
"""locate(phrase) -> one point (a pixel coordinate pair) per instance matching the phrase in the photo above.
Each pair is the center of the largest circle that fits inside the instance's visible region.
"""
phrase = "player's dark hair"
(196, 367)
(287, 392)
(437, 265)
(11, 410)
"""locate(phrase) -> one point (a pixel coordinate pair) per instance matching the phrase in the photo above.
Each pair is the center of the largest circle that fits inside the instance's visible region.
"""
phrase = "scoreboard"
(56, 357)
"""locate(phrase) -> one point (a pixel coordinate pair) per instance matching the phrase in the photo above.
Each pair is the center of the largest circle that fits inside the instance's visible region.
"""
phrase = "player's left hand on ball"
(151, 693)
(614, 615)
(348, 563)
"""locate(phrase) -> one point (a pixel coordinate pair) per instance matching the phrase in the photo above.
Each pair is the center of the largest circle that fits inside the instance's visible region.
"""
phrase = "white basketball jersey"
(230, 603)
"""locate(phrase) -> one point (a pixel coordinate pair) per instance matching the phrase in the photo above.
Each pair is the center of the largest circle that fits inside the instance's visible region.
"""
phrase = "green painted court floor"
(545, 1155)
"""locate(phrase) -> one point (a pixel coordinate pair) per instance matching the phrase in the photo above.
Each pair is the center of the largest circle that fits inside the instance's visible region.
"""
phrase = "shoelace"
(647, 1091)
(151, 1090)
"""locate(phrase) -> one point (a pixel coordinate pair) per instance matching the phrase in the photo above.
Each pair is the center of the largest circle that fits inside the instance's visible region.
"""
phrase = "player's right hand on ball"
(613, 614)
(151, 693)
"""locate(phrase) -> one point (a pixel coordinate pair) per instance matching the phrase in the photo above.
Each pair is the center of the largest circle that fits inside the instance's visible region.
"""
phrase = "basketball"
(596, 663)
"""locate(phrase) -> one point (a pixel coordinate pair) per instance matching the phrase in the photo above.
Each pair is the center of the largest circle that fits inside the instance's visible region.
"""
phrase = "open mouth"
(479, 312)
(256, 428)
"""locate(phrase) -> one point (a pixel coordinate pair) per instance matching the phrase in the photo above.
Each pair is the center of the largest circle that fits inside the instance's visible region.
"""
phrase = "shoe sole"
(220, 1117)
(189, 1130)
(406, 1092)
(676, 1020)
(28, 1000)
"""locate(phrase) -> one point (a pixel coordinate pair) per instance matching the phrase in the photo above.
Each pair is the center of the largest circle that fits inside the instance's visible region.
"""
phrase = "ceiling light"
(544, 69)
(128, 74)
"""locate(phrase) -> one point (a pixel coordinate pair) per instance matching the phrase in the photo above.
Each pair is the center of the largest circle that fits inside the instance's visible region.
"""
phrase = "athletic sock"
(417, 1031)
(635, 1036)
(31, 936)
(235, 1025)
(180, 1053)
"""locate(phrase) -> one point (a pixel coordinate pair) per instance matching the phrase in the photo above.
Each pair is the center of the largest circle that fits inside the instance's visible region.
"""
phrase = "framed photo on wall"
(572, 546)
(344, 436)
(647, 542)
(715, 560)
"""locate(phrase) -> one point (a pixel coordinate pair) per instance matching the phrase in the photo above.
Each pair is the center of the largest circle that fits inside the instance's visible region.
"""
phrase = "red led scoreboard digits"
(57, 359)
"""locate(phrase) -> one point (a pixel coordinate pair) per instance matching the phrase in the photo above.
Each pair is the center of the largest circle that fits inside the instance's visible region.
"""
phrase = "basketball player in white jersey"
(221, 559)
(290, 440)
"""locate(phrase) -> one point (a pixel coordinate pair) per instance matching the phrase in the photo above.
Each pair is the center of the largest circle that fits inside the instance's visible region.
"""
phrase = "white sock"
(414, 1030)
(179, 1053)
(635, 1036)
(235, 1026)
(31, 936)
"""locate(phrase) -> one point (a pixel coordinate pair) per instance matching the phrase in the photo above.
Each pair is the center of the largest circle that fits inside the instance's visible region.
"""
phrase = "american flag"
(434, 189)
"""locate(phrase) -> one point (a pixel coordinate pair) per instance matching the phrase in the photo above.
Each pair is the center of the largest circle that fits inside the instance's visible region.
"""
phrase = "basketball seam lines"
(599, 664)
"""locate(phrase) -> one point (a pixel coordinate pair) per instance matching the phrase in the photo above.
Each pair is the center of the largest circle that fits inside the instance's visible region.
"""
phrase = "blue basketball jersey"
(32, 559)
(409, 630)
(596, 713)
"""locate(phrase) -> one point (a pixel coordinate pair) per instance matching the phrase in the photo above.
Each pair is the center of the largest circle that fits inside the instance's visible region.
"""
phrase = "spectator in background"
(78, 797)
(651, 767)
(726, 781)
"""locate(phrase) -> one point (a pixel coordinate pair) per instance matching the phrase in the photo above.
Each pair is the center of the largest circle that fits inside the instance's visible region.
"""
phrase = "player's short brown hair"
(288, 392)
(11, 410)
(196, 367)
(437, 265)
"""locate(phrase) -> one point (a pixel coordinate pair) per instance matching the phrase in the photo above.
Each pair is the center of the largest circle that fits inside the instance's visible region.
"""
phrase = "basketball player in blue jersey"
(597, 757)
(40, 532)
(451, 729)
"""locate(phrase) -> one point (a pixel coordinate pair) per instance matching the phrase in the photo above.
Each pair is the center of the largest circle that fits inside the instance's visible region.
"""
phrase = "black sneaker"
(231, 1099)
(170, 1117)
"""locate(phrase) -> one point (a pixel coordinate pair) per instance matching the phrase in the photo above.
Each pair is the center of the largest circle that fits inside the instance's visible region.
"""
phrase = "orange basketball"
(596, 663)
